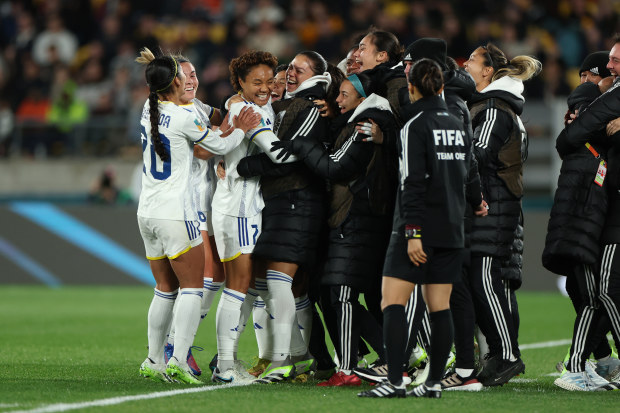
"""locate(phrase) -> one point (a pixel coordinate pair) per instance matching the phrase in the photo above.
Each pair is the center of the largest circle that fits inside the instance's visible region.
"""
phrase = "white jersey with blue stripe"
(203, 172)
(166, 191)
(234, 195)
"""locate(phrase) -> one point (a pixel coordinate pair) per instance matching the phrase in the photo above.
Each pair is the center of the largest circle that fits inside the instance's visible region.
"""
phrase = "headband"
(176, 69)
(357, 85)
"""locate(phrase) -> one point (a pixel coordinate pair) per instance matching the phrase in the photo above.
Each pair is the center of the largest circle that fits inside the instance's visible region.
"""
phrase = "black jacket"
(434, 154)
(579, 206)
(390, 81)
(357, 170)
(499, 148)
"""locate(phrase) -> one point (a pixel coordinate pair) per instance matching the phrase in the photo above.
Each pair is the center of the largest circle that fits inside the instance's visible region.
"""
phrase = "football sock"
(442, 338)
(211, 288)
(159, 319)
(227, 326)
(260, 316)
(186, 320)
(303, 309)
(282, 306)
(244, 316)
(395, 341)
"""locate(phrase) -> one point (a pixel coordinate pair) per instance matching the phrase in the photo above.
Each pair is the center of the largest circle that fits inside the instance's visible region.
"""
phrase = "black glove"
(285, 149)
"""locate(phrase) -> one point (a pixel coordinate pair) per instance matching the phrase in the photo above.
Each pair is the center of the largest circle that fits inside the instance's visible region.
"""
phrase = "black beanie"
(596, 63)
(427, 47)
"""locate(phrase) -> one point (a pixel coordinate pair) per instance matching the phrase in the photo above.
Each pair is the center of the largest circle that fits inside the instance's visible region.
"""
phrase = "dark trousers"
(464, 316)
(351, 320)
(492, 307)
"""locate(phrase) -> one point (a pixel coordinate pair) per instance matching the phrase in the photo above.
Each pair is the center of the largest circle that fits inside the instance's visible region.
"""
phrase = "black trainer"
(424, 391)
(385, 389)
(374, 374)
(504, 371)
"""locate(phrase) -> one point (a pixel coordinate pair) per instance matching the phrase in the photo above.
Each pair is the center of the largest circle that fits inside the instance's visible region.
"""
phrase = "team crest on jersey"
(199, 125)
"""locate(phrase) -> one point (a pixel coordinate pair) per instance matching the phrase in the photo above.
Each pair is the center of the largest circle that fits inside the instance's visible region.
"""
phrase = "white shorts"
(206, 221)
(235, 235)
(166, 238)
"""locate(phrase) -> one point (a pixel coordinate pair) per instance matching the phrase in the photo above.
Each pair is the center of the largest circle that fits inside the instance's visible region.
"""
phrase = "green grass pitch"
(62, 347)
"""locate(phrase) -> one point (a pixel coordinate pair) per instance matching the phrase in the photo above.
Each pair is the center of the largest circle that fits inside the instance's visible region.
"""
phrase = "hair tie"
(357, 85)
(176, 69)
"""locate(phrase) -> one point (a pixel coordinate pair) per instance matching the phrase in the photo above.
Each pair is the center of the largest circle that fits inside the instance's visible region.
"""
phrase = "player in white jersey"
(203, 183)
(237, 206)
(166, 216)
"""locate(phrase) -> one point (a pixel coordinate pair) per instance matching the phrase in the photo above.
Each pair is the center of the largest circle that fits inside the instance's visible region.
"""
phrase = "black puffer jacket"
(579, 206)
(512, 268)
(361, 197)
(498, 145)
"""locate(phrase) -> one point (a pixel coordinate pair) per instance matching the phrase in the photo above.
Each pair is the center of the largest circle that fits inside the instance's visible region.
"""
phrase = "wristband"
(413, 232)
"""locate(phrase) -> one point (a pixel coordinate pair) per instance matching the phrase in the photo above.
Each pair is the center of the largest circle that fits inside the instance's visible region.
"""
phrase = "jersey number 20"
(165, 173)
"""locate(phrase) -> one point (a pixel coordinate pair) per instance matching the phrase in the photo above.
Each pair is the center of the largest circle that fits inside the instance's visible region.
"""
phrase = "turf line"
(63, 407)
(545, 344)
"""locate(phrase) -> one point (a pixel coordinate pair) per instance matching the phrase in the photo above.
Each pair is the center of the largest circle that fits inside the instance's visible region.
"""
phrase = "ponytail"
(521, 67)
(160, 74)
(158, 145)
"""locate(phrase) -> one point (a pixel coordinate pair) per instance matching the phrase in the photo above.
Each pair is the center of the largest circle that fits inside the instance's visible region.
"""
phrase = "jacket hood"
(460, 83)
(507, 88)
(583, 95)
(323, 80)
(385, 71)
(371, 102)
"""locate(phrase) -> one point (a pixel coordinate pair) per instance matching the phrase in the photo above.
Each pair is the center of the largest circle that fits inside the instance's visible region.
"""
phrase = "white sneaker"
(422, 374)
(579, 381)
(231, 375)
(154, 371)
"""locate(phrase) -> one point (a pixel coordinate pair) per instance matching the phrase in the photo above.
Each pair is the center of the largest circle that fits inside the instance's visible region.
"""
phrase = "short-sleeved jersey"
(203, 172)
(235, 195)
(166, 191)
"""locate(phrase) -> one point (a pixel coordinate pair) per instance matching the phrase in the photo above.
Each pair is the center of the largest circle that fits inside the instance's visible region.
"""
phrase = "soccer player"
(237, 207)
(166, 217)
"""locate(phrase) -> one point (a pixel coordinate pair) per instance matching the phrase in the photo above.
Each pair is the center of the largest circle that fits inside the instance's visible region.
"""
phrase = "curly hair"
(240, 66)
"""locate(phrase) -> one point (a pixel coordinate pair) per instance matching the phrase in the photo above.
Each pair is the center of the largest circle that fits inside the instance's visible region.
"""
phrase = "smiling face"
(299, 69)
(348, 98)
(191, 82)
(353, 67)
(256, 87)
(368, 56)
(614, 60)
(279, 86)
(475, 66)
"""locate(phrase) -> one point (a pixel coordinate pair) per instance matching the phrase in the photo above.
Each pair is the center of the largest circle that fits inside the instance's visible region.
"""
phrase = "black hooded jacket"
(579, 206)
(435, 152)
(390, 82)
(499, 148)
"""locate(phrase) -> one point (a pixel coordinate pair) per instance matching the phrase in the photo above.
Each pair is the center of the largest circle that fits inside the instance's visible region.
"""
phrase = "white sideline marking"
(63, 407)
(544, 344)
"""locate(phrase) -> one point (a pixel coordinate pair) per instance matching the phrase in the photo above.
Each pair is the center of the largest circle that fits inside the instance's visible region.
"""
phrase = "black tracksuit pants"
(492, 307)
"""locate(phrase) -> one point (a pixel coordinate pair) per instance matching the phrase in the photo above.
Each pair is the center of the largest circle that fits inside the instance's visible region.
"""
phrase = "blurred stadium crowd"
(69, 84)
